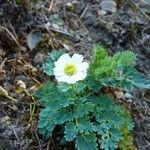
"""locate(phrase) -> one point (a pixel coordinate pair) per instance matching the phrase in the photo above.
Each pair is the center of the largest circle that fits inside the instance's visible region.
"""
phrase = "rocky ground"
(30, 30)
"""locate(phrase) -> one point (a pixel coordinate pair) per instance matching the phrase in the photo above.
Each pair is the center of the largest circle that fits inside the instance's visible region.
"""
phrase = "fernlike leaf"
(71, 131)
(49, 95)
(137, 79)
(124, 58)
(104, 66)
(111, 118)
(46, 122)
(110, 139)
(69, 113)
(49, 65)
(85, 125)
(86, 141)
(127, 78)
(64, 87)
(79, 125)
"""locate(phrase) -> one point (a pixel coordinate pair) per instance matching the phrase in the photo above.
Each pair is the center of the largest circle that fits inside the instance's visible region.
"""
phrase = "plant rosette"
(76, 101)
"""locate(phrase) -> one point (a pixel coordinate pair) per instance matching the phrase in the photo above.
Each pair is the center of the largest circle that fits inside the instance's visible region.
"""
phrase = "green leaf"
(79, 125)
(53, 57)
(126, 78)
(48, 67)
(84, 125)
(46, 89)
(46, 122)
(105, 66)
(111, 118)
(99, 54)
(126, 143)
(110, 139)
(93, 84)
(80, 87)
(102, 64)
(125, 58)
(105, 107)
(137, 79)
(69, 114)
(64, 87)
(86, 142)
(55, 54)
(52, 97)
(70, 131)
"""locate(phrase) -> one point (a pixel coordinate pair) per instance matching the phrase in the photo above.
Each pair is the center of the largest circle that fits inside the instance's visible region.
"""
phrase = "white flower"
(70, 69)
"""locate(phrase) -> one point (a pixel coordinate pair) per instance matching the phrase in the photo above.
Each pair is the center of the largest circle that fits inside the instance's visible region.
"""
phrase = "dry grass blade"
(12, 36)
(51, 5)
(137, 7)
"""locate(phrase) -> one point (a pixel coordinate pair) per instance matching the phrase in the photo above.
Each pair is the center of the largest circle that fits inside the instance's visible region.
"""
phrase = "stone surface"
(109, 6)
(146, 1)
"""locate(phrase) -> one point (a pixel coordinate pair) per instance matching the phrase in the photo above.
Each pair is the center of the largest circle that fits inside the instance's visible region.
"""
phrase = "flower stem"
(74, 93)
(74, 90)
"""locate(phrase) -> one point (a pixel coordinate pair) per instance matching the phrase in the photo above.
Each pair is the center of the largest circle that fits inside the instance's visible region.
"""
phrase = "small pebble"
(129, 100)
(119, 94)
(109, 6)
(39, 58)
(56, 26)
(128, 96)
(102, 12)
(69, 7)
(2, 52)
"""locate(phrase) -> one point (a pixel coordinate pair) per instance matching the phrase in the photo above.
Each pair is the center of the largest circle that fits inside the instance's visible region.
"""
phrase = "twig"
(61, 31)
(12, 36)
(48, 144)
(25, 103)
(83, 25)
(35, 80)
(137, 7)
(16, 136)
(51, 5)
(2, 64)
(11, 98)
(13, 30)
(37, 137)
(83, 13)
(32, 108)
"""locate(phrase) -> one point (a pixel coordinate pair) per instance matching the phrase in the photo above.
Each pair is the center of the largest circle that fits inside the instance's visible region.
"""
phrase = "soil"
(31, 30)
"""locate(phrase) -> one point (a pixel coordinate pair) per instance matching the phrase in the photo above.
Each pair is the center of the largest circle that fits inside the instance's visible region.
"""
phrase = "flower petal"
(65, 58)
(71, 80)
(80, 76)
(58, 68)
(83, 66)
(66, 79)
(60, 78)
(77, 59)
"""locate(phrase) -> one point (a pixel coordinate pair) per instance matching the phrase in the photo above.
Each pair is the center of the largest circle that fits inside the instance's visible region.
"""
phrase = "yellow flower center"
(70, 69)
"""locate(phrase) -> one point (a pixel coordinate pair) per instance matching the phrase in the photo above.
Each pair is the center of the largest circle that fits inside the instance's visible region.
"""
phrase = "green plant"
(116, 71)
(88, 117)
